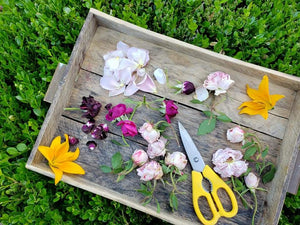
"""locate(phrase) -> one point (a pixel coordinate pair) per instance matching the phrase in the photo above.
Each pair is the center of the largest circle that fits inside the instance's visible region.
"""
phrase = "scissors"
(199, 171)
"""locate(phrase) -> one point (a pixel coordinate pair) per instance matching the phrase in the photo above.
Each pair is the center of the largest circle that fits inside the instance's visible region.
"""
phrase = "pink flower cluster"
(124, 71)
(150, 170)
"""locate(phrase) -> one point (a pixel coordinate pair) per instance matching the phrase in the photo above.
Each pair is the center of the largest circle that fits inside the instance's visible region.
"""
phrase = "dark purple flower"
(86, 128)
(73, 140)
(170, 109)
(117, 111)
(100, 132)
(90, 106)
(91, 144)
(108, 106)
(128, 128)
(188, 87)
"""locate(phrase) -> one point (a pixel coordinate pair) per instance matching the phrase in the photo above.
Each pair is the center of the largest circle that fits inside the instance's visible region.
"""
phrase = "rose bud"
(235, 135)
(186, 87)
(150, 170)
(108, 106)
(149, 133)
(128, 128)
(90, 106)
(139, 157)
(157, 148)
(100, 132)
(91, 144)
(177, 159)
(169, 109)
(117, 111)
(73, 140)
(86, 128)
(251, 181)
(218, 82)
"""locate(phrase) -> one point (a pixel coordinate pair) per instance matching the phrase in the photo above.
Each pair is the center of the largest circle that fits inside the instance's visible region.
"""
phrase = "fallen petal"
(147, 84)
(160, 76)
(201, 94)
(121, 46)
(131, 89)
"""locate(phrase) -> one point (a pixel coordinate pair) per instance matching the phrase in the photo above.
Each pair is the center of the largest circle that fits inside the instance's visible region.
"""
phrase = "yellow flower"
(262, 101)
(60, 159)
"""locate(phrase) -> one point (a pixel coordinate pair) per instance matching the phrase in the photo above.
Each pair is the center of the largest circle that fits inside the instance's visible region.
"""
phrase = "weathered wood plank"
(183, 67)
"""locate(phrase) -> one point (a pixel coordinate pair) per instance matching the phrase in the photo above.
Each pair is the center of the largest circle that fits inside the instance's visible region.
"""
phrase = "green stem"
(241, 196)
(133, 112)
(125, 142)
(255, 209)
(71, 109)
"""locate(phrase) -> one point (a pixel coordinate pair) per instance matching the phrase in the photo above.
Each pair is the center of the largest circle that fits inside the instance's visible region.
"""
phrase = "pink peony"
(157, 148)
(128, 128)
(150, 170)
(177, 159)
(228, 162)
(218, 82)
(251, 181)
(235, 135)
(117, 111)
(139, 157)
(149, 133)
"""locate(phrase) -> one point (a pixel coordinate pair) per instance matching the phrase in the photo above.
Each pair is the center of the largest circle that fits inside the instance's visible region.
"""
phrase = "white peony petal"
(121, 46)
(201, 94)
(125, 75)
(141, 72)
(140, 56)
(127, 63)
(114, 54)
(109, 83)
(160, 76)
(112, 63)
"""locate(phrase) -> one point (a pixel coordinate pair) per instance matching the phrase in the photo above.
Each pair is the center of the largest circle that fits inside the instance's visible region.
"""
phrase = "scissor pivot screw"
(196, 159)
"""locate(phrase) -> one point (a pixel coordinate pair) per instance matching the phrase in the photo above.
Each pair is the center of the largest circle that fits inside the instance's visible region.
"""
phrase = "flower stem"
(241, 196)
(125, 142)
(255, 209)
(175, 135)
(71, 109)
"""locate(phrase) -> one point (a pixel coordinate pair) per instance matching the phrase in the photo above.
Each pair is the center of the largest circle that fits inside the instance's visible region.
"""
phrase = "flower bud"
(139, 157)
(157, 148)
(251, 181)
(150, 170)
(188, 87)
(177, 159)
(149, 133)
(235, 135)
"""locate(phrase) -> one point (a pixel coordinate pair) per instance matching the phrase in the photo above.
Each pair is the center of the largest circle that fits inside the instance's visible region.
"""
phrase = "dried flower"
(149, 133)
(73, 140)
(169, 109)
(100, 132)
(235, 134)
(60, 159)
(228, 162)
(117, 111)
(91, 145)
(86, 128)
(90, 106)
(177, 159)
(157, 148)
(128, 128)
(262, 101)
(139, 157)
(218, 82)
(251, 181)
(150, 170)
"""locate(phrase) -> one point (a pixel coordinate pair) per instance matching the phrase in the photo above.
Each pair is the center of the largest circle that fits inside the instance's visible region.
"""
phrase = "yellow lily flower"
(262, 101)
(60, 159)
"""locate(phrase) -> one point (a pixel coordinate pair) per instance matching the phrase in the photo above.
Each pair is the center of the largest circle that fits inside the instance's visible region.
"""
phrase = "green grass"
(36, 35)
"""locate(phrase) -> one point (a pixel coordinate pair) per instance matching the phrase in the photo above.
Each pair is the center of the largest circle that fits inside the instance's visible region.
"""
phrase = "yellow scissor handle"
(199, 191)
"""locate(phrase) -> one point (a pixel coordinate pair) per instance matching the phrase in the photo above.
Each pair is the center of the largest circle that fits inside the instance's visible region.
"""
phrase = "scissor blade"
(191, 149)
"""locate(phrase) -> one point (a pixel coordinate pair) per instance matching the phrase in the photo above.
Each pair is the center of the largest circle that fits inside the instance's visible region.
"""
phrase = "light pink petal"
(147, 84)
(109, 83)
(141, 56)
(112, 63)
(125, 75)
(131, 89)
(127, 63)
(141, 72)
(121, 46)
(160, 76)
(219, 91)
(107, 72)
(113, 54)
(201, 94)
(117, 91)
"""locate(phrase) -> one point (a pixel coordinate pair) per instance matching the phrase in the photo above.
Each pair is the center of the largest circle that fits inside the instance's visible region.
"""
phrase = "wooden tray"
(183, 61)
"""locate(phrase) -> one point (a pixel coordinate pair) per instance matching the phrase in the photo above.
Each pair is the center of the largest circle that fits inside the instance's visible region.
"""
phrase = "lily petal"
(71, 167)
(56, 142)
(252, 111)
(69, 156)
(57, 173)
(275, 98)
(131, 89)
(109, 83)
(47, 152)
(147, 84)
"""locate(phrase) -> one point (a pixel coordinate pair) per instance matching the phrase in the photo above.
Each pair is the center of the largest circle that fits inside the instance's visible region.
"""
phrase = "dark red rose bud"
(108, 106)
(188, 87)
(73, 140)
(86, 128)
(91, 144)
(90, 106)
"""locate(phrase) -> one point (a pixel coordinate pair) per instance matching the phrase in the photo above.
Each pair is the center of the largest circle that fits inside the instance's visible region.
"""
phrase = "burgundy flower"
(86, 128)
(100, 132)
(117, 111)
(170, 109)
(73, 140)
(90, 106)
(91, 144)
(188, 87)
(108, 106)
(128, 128)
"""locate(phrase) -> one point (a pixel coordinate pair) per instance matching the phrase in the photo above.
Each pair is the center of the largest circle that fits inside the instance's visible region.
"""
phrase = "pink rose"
(235, 135)
(149, 133)
(251, 181)
(117, 111)
(228, 162)
(139, 157)
(128, 128)
(157, 148)
(177, 159)
(218, 82)
(169, 109)
(149, 171)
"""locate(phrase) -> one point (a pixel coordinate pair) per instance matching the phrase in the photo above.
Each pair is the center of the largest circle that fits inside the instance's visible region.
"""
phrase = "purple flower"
(117, 111)
(128, 128)
(100, 132)
(91, 144)
(73, 140)
(108, 106)
(188, 87)
(86, 128)
(90, 106)
(169, 109)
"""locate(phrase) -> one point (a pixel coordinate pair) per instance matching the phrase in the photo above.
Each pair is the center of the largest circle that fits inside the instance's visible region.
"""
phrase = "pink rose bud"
(150, 170)
(149, 133)
(128, 128)
(139, 157)
(157, 148)
(177, 159)
(251, 181)
(235, 135)
(218, 82)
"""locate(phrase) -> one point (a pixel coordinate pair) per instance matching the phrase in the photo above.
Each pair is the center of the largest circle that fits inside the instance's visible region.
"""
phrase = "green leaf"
(116, 161)
(208, 113)
(38, 112)
(250, 152)
(21, 147)
(173, 201)
(105, 169)
(196, 101)
(12, 151)
(129, 101)
(128, 164)
(268, 176)
(265, 152)
(116, 143)
(247, 144)
(223, 118)
(157, 206)
(207, 126)
(182, 178)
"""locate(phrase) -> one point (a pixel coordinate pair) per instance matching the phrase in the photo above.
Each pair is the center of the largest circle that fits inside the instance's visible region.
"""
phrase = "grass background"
(36, 35)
